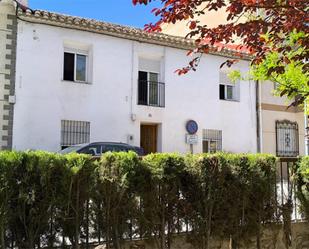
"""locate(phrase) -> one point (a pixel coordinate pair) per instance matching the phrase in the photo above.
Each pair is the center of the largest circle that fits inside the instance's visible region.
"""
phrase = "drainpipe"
(306, 129)
(258, 116)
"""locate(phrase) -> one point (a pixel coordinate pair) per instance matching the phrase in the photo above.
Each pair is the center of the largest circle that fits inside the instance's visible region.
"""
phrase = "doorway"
(149, 134)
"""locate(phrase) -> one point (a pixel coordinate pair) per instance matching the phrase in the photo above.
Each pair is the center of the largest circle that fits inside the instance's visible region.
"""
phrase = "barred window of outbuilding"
(212, 141)
(287, 142)
(74, 132)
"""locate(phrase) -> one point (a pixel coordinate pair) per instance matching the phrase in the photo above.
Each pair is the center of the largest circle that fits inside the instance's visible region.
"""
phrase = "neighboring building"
(281, 129)
(181, 28)
(80, 80)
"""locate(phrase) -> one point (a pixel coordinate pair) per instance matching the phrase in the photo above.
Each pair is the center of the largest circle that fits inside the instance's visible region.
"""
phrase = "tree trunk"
(87, 224)
(258, 235)
(76, 237)
(2, 231)
(162, 229)
(108, 216)
(116, 240)
(51, 234)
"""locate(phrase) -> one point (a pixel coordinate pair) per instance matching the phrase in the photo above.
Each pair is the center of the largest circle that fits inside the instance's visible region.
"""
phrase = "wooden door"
(149, 138)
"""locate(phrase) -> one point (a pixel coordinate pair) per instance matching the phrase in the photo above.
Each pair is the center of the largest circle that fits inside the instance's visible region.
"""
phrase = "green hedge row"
(303, 184)
(49, 199)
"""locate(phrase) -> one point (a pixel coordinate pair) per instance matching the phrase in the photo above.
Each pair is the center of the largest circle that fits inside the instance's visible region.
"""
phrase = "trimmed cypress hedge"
(51, 199)
(302, 180)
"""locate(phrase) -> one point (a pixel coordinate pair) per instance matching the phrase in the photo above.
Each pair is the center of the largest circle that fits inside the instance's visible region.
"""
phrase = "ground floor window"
(212, 141)
(287, 142)
(74, 132)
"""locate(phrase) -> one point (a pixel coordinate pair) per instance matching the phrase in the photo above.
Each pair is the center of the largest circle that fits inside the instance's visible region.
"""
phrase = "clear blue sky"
(115, 11)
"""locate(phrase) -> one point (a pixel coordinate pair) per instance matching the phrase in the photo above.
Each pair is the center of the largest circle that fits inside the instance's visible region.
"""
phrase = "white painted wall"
(43, 99)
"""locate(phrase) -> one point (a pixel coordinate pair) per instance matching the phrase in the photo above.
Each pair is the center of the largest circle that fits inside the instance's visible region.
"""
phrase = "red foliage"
(277, 18)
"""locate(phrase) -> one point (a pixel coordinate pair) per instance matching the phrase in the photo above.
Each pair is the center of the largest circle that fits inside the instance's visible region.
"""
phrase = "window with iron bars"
(74, 132)
(287, 141)
(151, 92)
(212, 141)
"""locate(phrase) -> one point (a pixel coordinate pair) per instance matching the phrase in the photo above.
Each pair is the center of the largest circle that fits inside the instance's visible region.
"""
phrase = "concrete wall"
(43, 99)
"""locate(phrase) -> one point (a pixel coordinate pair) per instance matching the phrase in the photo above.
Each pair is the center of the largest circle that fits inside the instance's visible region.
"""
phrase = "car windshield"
(70, 149)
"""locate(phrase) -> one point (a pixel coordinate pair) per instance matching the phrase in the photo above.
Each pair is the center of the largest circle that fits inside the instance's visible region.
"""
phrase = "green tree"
(273, 33)
(160, 197)
(115, 197)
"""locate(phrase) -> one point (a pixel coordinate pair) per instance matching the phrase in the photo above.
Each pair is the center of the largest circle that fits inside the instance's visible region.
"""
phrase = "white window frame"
(77, 52)
(235, 88)
(148, 80)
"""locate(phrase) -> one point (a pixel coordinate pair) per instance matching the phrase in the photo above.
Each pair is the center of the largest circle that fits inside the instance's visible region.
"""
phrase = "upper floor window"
(287, 139)
(212, 141)
(75, 66)
(228, 90)
(150, 90)
(276, 86)
(74, 132)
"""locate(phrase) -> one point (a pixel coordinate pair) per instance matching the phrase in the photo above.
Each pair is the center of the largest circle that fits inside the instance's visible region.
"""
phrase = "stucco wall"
(43, 99)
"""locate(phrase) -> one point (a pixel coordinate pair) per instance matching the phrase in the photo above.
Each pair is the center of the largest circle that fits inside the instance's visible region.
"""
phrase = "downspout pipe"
(258, 116)
(306, 128)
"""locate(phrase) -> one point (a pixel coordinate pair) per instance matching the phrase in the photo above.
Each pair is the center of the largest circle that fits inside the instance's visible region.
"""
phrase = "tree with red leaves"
(274, 32)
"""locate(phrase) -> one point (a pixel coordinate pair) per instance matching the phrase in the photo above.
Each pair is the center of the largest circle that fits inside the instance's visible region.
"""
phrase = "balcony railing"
(151, 93)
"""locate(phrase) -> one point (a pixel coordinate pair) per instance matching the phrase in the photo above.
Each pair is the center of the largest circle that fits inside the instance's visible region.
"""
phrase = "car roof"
(109, 143)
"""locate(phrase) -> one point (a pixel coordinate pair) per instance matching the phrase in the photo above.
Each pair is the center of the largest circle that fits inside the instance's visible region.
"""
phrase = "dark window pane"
(142, 75)
(213, 146)
(94, 150)
(81, 67)
(153, 88)
(222, 92)
(68, 67)
(229, 92)
(142, 88)
(205, 146)
(153, 77)
(111, 147)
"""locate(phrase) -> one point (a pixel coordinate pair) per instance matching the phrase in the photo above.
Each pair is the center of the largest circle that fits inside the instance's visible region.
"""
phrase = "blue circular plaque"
(191, 127)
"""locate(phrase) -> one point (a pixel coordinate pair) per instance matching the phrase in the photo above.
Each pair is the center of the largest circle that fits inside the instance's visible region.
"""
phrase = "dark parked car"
(98, 148)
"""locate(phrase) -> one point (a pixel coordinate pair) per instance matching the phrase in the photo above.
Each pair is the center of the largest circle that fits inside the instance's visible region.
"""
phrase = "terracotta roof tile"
(91, 25)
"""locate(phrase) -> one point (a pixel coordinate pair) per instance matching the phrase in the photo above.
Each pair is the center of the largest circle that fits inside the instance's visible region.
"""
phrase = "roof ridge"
(118, 30)
(87, 18)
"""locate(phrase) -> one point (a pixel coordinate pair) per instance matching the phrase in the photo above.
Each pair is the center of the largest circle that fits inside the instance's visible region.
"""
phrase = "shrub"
(45, 196)
(303, 185)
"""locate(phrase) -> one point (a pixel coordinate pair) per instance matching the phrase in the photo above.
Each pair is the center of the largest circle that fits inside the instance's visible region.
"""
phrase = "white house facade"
(79, 80)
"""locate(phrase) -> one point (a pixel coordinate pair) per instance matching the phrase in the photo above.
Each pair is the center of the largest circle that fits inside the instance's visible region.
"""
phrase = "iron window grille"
(151, 93)
(74, 132)
(287, 141)
(212, 141)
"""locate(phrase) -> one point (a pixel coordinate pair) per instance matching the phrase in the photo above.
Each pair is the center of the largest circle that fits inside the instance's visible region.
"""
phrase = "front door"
(149, 138)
